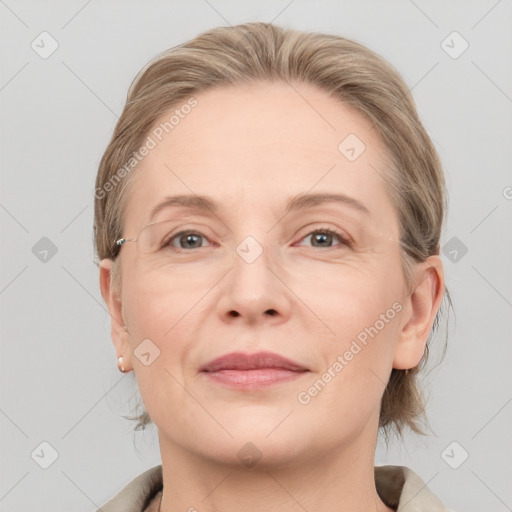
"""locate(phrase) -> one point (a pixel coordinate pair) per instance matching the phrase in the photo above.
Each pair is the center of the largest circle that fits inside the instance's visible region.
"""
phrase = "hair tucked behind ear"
(344, 69)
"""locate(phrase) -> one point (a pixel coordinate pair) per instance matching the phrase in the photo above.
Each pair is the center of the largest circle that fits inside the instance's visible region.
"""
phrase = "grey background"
(59, 380)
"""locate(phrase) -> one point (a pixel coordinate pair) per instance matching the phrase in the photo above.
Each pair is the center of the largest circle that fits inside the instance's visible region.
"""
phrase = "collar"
(398, 487)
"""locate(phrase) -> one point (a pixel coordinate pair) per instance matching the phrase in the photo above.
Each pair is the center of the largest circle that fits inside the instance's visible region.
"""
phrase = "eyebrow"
(303, 201)
(200, 204)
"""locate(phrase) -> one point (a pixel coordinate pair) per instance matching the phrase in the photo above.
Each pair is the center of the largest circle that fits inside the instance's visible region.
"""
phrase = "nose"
(255, 290)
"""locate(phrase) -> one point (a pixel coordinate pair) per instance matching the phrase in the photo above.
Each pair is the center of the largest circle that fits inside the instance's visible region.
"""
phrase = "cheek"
(158, 305)
(359, 308)
(347, 388)
(169, 313)
(345, 299)
(159, 323)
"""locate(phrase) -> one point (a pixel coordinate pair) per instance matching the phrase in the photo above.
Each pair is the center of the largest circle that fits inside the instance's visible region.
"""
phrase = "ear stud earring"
(120, 364)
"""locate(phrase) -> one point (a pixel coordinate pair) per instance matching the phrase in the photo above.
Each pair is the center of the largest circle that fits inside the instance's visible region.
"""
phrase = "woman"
(268, 216)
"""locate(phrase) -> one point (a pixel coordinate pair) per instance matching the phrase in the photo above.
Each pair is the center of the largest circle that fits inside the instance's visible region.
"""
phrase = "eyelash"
(343, 239)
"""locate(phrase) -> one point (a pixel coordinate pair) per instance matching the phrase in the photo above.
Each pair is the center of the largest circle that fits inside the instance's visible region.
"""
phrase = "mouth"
(252, 371)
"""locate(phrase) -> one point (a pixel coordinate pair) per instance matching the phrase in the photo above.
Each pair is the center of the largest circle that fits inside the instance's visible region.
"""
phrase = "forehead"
(258, 145)
(238, 120)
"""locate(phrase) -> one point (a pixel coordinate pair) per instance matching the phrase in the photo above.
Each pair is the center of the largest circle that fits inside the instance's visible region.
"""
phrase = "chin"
(256, 452)
(254, 438)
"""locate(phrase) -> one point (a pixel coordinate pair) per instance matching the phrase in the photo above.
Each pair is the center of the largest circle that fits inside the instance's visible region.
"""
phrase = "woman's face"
(276, 279)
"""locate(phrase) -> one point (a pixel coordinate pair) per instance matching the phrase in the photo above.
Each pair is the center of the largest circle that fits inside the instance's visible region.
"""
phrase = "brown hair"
(344, 69)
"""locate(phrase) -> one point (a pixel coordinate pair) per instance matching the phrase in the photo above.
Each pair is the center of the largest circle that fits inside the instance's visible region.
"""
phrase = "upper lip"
(241, 361)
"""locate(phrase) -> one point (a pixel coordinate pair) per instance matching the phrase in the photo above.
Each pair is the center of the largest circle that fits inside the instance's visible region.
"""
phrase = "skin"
(303, 301)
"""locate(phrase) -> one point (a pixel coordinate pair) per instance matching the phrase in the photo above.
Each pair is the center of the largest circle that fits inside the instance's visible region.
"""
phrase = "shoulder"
(137, 494)
(400, 487)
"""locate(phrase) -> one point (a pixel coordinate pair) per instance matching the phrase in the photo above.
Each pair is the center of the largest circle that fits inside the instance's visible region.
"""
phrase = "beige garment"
(398, 486)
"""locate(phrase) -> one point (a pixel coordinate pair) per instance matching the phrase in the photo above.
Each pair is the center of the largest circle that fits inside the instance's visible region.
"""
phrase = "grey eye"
(188, 240)
(325, 238)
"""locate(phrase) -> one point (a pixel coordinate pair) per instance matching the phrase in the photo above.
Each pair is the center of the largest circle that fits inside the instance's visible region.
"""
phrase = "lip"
(252, 371)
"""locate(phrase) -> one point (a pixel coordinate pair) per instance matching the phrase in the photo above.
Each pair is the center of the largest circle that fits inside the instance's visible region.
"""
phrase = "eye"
(187, 240)
(324, 237)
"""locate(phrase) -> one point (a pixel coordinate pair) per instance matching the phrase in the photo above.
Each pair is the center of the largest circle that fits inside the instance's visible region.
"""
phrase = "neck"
(342, 479)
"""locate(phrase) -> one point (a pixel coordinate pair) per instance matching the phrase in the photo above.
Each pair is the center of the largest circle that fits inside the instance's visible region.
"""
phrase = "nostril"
(271, 312)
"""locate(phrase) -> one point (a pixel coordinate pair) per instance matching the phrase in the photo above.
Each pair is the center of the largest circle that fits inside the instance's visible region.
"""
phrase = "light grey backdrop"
(59, 381)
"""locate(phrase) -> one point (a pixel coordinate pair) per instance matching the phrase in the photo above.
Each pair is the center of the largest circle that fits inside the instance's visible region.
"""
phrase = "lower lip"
(253, 379)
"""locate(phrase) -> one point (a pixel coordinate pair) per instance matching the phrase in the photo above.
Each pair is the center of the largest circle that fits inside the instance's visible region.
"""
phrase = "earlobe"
(422, 307)
(118, 331)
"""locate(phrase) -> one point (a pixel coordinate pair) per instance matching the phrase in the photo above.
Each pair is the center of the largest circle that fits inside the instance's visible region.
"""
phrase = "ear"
(120, 336)
(421, 308)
